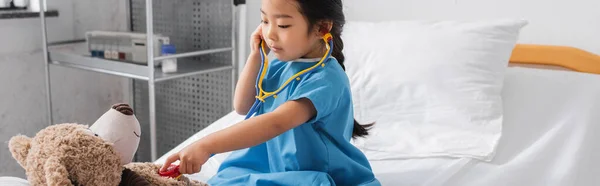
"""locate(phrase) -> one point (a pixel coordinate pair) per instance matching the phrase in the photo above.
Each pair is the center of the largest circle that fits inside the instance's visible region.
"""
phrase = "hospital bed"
(551, 99)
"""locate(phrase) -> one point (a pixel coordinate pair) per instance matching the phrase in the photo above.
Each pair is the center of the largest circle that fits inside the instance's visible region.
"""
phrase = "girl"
(302, 135)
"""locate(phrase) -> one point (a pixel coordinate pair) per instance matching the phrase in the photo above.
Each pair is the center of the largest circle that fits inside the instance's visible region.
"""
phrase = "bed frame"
(555, 57)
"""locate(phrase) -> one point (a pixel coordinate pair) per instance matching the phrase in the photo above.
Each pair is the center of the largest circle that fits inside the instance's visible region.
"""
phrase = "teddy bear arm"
(150, 172)
(56, 173)
(19, 148)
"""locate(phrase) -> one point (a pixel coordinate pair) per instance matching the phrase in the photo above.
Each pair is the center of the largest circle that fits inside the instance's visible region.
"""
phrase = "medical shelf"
(22, 14)
(76, 55)
(200, 91)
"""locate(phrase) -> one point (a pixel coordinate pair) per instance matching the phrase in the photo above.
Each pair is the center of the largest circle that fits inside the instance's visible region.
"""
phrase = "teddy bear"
(101, 154)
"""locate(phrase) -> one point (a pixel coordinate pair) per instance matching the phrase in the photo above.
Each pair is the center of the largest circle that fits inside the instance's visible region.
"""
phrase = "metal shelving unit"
(74, 54)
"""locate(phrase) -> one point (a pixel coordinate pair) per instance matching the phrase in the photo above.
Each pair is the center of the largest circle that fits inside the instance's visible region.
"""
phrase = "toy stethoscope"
(261, 94)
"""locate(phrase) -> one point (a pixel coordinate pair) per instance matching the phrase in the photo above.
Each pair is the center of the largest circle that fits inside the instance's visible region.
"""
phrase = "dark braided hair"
(331, 10)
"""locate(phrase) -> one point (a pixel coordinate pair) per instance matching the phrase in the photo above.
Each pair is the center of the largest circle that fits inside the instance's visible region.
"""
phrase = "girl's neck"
(318, 51)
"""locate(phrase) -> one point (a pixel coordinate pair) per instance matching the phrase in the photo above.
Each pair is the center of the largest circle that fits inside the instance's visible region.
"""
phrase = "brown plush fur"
(149, 171)
(66, 153)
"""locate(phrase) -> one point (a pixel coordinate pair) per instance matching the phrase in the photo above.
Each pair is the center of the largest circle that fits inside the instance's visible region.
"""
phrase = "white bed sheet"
(210, 167)
(549, 138)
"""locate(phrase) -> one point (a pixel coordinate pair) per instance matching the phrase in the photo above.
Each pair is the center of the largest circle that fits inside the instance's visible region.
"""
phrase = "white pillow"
(432, 87)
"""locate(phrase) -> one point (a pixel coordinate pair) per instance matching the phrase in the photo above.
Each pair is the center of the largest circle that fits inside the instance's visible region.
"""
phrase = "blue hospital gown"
(317, 152)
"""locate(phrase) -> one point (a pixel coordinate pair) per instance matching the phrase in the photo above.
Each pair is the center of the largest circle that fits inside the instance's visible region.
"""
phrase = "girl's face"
(285, 31)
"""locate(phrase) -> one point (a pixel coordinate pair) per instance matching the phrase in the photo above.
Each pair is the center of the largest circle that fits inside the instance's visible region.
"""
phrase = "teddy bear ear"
(19, 148)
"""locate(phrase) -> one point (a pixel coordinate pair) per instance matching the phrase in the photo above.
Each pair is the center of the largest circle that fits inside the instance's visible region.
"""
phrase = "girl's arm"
(259, 129)
(245, 91)
(245, 134)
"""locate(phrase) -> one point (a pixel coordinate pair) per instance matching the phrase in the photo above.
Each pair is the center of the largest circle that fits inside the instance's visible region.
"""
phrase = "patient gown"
(317, 152)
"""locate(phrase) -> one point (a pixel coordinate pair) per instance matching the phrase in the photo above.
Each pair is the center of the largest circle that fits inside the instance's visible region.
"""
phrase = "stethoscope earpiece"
(327, 37)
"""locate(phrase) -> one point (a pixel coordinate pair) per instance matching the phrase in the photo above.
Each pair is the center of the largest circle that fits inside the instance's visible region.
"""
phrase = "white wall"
(22, 79)
(554, 22)
(557, 22)
(252, 21)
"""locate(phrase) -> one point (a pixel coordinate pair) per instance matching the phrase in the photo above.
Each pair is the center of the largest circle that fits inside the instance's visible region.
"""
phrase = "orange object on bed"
(557, 56)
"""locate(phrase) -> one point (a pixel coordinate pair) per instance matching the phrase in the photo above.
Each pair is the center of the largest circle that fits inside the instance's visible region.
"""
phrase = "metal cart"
(206, 59)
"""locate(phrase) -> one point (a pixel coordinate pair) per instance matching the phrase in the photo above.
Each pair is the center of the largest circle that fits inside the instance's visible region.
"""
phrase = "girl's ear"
(324, 27)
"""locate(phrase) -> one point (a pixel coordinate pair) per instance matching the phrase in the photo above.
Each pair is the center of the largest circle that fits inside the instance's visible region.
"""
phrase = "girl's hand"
(255, 41)
(191, 159)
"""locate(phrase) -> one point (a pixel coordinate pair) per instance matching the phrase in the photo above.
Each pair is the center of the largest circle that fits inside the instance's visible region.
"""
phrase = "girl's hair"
(331, 10)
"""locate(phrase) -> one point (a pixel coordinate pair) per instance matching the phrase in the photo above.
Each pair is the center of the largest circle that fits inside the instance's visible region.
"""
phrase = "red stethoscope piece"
(172, 172)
